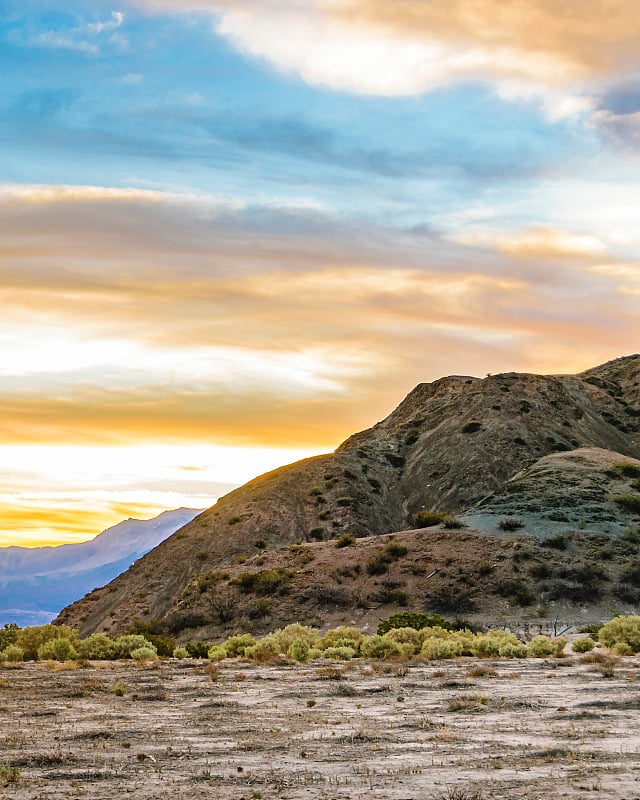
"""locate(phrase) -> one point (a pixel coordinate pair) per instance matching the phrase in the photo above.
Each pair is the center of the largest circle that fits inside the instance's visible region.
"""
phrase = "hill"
(37, 582)
(451, 445)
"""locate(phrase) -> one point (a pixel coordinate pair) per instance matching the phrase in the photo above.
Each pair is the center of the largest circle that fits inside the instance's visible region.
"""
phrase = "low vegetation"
(404, 635)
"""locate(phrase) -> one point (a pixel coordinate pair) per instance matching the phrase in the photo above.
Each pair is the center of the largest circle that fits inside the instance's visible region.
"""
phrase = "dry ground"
(184, 729)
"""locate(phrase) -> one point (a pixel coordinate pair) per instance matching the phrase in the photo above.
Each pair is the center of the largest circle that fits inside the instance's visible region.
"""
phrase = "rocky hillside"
(450, 445)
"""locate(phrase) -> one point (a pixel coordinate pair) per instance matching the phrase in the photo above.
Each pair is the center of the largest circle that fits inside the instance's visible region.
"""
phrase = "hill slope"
(447, 446)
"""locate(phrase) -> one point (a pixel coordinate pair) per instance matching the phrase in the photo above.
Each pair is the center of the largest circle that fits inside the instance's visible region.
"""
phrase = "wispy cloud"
(269, 325)
(88, 37)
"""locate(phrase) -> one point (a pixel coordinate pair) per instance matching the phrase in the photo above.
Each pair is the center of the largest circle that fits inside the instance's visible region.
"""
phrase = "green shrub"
(413, 619)
(379, 647)
(237, 645)
(97, 647)
(145, 653)
(471, 427)
(343, 636)
(628, 469)
(394, 550)
(409, 639)
(621, 629)
(59, 649)
(583, 645)
(541, 646)
(341, 653)
(630, 502)
(267, 582)
(217, 652)
(8, 634)
(622, 649)
(299, 650)
(12, 653)
(197, 649)
(264, 651)
(32, 638)
(512, 650)
(436, 649)
(345, 540)
(180, 652)
(427, 519)
(123, 645)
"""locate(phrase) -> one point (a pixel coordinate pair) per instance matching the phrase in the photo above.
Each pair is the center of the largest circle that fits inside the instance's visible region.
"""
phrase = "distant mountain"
(449, 446)
(35, 583)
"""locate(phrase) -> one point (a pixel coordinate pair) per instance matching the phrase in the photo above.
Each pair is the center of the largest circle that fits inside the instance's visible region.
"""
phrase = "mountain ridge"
(36, 583)
(448, 445)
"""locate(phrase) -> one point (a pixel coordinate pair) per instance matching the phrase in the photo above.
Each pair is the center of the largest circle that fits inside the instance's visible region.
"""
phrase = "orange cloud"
(594, 38)
(143, 317)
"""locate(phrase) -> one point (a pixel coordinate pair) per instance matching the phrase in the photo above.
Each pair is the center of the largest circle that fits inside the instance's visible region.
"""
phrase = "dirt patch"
(179, 729)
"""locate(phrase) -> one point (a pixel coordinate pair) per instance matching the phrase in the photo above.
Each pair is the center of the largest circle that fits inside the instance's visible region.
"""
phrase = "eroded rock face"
(448, 445)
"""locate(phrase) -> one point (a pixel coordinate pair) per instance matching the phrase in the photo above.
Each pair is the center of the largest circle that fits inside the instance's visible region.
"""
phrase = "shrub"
(427, 519)
(471, 427)
(345, 540)
(510, 524)
(124, 645)
(197, 649)
(628, 469)
(622, 649)
(12, 653)
(394, 550)
(512, 650)
(32, 638)
(163, 644)
(630, 502)
(558, 542)
(379, 647)
(450, 600)
(583, 645)
(264, 651)
(268, 581)
(541, 646)
(621, 629)
(408, 638)
(180, 652)
(342, 636)
(413, 619)
(8, 634)
(435, 649)
(339, 653)
(299, 650)
(378, 564)
(98, 647)
(217, 652)
(59, 649)
(237, 645)
(145, 653)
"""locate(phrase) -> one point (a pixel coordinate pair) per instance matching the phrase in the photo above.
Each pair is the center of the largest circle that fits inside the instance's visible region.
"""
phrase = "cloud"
(85, 38)
(133, 315)
(526, 48)
(539, 243)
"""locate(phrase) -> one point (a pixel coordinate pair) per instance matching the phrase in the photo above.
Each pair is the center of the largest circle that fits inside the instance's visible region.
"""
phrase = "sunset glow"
(233, 233)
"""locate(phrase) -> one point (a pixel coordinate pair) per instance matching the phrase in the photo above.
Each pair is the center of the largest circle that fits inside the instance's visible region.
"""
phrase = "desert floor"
(184, 729)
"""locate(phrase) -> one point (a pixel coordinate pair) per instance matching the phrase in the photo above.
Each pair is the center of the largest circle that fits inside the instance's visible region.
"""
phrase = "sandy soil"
(185, 729)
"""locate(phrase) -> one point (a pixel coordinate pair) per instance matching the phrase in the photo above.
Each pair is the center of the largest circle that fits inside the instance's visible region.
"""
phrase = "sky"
(233, 232)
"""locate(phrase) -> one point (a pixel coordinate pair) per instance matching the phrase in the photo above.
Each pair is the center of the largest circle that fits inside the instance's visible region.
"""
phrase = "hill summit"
(459, 444)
